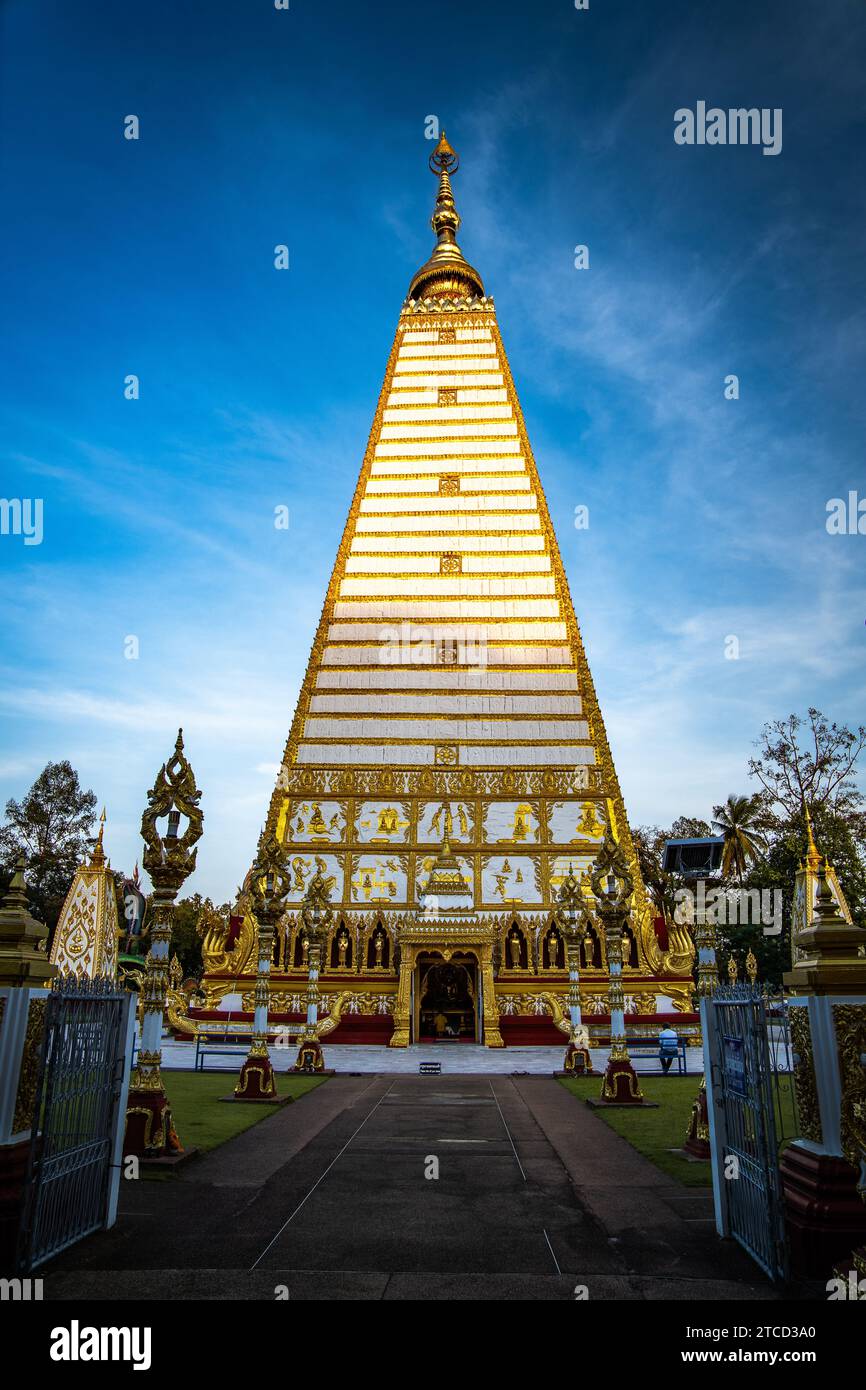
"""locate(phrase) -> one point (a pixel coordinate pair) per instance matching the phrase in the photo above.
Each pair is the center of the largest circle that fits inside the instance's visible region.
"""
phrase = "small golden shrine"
(806, 885)
(86, 937)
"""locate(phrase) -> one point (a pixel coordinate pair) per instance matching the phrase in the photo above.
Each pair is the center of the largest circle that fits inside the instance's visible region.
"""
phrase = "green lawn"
(203, 1121)
(654, 1132)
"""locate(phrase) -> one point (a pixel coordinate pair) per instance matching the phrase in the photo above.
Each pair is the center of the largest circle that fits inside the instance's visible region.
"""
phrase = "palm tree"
(737, 821)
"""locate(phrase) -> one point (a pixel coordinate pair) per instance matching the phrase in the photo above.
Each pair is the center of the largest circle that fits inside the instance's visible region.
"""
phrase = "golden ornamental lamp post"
(613, 886)
(571, 917)
(269, 885)
(316, 914)
(169, 859)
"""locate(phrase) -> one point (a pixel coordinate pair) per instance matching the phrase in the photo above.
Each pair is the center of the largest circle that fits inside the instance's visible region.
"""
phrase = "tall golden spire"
(447, 274)
(97, 858)
(813, 854)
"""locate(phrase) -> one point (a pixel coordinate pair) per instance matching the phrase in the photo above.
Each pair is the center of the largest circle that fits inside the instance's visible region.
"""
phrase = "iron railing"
(751, 1104)
(80, 1097)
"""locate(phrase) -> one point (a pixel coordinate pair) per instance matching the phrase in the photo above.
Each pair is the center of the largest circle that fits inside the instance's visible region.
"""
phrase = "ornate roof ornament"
(571, 914)
(170, 858)
(447, 274)
(610, 877)
(270, 879)
(97, 857)
(813, 854)
(317, 912)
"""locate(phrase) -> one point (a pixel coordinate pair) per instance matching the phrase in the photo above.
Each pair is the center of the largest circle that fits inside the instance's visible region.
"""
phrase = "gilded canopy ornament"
(610, 875)
(316, 911)
(270, 880)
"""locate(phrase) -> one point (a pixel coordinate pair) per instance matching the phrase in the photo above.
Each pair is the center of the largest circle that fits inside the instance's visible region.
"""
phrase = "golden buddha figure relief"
(511, 822)
(589, 826)
(514, 943)
(312, 822)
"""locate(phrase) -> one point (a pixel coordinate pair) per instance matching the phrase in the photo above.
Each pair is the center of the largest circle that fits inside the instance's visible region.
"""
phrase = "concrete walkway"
(334, 1197)
(459, 1059)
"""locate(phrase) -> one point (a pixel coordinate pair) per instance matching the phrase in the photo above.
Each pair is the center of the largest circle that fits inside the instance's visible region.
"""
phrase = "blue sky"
(306, 127)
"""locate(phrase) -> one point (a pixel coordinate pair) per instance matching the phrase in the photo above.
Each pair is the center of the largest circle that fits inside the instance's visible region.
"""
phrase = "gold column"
(492, 1035)
(401, 1035)
(613, 886)
(169, 859)
(269, 886)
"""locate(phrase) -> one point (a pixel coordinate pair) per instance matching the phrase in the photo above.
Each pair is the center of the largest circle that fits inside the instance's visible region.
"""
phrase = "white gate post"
(118, 1118)
(715, 1114)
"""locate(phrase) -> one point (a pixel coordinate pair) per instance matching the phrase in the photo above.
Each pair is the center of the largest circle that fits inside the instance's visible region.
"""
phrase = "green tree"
(185, 941)
(689, 828)
(53, 824)
(809, 761)
(649, 843)
(738, 821)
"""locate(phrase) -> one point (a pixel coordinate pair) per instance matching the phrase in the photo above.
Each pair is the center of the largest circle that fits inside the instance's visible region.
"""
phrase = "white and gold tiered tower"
(448, 723)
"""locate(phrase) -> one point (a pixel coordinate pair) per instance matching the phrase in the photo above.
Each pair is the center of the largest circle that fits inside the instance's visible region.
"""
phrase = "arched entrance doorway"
(446, 998)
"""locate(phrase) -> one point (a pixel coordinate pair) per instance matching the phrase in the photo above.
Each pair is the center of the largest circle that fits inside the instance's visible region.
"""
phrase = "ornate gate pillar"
(820, 1169)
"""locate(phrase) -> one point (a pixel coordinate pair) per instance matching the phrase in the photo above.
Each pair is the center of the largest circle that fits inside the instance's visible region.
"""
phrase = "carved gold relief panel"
(379, 878)
(451, 820)
(383, 822)
(512, 822)
(303, 868)
(573, 821)
(511, 878)
(314, 822)
(849, 1022)
(805, 1089)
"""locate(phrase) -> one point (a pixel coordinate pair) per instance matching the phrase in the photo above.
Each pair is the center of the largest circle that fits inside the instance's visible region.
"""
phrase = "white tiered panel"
(507, 694)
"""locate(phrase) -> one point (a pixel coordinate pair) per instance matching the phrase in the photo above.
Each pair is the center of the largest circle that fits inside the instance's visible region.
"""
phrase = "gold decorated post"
(316, 914)
(822, 1169)
(169, 858)
(269, 885)
(613, 886)
(571, 916)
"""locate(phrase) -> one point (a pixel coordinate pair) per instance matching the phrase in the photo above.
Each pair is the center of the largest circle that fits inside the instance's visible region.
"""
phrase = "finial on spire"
(97, 858)
(444, 160)
(447, 274)
(813, 854)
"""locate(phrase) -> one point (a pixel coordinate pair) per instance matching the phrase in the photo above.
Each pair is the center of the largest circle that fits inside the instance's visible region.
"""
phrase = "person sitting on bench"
(669, 1045)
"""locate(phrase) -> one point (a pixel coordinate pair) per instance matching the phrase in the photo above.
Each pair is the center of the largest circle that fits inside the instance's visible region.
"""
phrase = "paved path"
(455, 1058)
(535, 1197)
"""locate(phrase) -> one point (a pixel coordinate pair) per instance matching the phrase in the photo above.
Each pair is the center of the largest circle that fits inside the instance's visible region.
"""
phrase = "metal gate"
(73, 1168)
(746, 1063)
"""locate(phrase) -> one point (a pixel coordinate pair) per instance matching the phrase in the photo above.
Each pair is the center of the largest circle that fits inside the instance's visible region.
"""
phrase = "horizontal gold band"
(479, 742)
(447, 598)
(432, 714)
(380, 622)
(431, 690)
